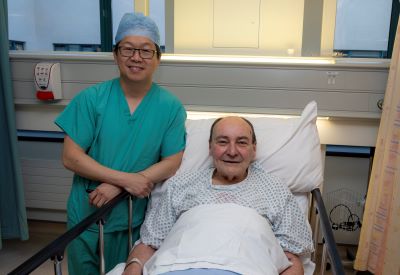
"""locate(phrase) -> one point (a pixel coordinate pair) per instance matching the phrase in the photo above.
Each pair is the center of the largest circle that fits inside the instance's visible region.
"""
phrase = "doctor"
(125, 133)
(246, 195)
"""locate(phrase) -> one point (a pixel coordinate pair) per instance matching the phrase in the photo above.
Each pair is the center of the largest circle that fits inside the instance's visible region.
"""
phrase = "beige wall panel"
(88, 72)
(328, 102)
(257, 76)
(70, 70)
(328, 27)
(47, 214)
(39, 204)
(37, 117)
(281, 28)
(340, 90)
(46, 183)
(193, 26)
(34, 172)
(348, 132)
(229, 17)
(25, 90)
(373, 102)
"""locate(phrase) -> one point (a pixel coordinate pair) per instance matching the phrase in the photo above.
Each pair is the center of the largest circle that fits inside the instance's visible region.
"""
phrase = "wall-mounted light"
(208, 115)
(247, 59)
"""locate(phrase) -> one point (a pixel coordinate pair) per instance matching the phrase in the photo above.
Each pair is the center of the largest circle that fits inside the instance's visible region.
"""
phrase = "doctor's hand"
(103, 194)
(140, 185)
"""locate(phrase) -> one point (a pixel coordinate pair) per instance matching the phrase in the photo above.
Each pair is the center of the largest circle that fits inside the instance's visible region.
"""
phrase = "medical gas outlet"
(48, 81)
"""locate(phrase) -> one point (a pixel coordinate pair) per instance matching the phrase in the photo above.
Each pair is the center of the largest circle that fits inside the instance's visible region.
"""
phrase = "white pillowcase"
(289, 148)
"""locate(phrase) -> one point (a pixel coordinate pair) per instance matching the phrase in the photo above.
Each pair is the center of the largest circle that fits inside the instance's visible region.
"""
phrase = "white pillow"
(286, 147)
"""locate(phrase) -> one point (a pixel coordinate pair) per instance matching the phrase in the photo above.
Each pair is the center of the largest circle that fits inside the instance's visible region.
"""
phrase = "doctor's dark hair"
(253, 134)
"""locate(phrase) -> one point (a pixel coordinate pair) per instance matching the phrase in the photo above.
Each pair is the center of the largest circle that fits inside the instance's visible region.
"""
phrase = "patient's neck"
(227, 179)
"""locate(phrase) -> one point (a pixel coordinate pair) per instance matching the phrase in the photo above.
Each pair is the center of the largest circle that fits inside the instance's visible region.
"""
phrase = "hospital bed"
(287, 146)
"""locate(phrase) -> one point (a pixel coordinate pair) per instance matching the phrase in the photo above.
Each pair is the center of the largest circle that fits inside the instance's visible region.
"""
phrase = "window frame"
(106, 38)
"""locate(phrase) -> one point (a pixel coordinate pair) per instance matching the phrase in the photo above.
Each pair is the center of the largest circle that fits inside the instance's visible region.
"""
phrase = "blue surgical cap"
(137, 24)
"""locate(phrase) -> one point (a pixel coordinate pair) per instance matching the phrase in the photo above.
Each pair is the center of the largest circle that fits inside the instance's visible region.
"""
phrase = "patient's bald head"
(232, 146)
(253, 134)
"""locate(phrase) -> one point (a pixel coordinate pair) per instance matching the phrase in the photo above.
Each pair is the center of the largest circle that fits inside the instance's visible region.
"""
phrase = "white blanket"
(205, 216)
(222, 236)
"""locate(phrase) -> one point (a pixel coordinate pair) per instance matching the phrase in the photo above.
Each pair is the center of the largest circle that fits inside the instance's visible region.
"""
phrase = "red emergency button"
(44, 95)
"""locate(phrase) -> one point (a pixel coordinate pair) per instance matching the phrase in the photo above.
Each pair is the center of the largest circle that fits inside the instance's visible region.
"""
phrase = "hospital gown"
(260, 190)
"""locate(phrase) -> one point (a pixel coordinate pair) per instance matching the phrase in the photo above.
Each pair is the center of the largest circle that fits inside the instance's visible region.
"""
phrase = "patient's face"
(232, 150)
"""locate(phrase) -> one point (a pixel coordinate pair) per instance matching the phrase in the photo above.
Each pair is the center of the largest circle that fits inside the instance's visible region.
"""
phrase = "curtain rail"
(55, 250)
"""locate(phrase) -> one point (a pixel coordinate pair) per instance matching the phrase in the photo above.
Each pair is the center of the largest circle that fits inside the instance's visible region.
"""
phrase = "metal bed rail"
(55, 250)
(329, 250)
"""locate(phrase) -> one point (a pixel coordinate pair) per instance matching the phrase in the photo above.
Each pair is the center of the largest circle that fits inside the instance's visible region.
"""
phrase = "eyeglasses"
(143, 53)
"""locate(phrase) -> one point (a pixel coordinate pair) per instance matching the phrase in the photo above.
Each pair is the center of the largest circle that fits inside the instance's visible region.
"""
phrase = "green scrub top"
(99, 120)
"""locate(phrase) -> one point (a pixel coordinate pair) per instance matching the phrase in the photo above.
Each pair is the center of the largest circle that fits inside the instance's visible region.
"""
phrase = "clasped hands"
(135, 183)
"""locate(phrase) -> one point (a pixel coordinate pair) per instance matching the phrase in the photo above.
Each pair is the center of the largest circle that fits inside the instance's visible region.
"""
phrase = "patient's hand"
(103, 194)
(143, 253)
(297, 265)
(133, 269)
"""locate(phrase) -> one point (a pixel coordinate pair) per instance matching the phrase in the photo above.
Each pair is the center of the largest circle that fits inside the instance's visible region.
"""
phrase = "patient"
(226, 219)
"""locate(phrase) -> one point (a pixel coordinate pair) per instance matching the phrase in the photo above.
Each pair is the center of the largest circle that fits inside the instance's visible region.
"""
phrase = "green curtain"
(13, 223)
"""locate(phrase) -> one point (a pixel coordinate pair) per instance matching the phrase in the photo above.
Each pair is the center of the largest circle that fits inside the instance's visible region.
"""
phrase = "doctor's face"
(137, 59)
(233, 149)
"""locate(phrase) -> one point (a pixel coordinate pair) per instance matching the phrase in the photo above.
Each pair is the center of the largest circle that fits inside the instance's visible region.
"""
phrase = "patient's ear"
(255, 151)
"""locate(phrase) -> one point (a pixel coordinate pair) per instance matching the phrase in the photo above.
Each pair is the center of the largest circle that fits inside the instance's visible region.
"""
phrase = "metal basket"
(345, 209)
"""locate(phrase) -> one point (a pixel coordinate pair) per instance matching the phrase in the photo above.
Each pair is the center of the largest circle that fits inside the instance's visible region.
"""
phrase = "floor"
(347, 264)
(15, 252)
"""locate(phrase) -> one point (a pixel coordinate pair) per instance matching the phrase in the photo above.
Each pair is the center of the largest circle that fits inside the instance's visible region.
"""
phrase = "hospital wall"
(347, 92)
(255, 27)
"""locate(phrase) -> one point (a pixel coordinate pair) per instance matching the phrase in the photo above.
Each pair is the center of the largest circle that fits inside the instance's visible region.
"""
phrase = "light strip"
(195, 115)
(205, 115)
(244, 59)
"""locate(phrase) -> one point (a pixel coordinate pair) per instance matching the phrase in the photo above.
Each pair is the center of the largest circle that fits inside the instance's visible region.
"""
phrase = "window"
(118, 9)
(45, 22)
(362, 28)
(77, 47)
(16, 45)
(74, 25)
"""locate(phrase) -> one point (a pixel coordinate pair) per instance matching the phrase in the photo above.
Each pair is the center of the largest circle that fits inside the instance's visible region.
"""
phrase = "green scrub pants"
(83, 256)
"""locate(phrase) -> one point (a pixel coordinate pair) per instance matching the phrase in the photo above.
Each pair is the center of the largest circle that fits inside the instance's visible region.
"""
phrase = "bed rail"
(55, 250)
(330, 250)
